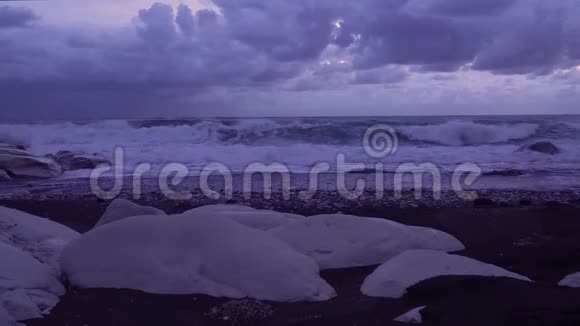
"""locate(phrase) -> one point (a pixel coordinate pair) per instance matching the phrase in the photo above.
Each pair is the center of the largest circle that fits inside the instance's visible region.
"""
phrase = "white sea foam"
(461, 133)
(297, 143)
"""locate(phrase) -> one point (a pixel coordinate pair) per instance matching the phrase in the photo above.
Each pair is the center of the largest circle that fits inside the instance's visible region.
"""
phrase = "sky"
(98, 59)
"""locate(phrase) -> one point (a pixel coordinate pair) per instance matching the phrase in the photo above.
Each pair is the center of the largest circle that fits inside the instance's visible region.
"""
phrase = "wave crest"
(464, 133)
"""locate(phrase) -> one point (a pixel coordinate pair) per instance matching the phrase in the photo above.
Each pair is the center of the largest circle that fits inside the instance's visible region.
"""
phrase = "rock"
(38, 236)
(541, 147)
(342, 241)
(14, 151)
(525, 202)
(393, 278)
(505, 173)
(254, 218)
(182, 255)
(26, 284)
(572, 281)
(411, 317)
(23, 165)
(121, 208)
(71, 161)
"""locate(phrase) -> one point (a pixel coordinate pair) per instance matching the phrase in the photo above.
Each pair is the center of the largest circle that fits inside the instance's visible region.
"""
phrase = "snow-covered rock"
(40, 237)
(122, 208)
(28, 288)
(413, 316)
(572, 281)
(341, 241)
(392, 279)
(178, 254)
(250, 217)
(71, 161)
(20, 163)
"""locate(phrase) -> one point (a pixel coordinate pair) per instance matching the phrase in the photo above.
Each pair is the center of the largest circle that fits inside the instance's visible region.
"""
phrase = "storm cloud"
(16, 17)
(278, 45)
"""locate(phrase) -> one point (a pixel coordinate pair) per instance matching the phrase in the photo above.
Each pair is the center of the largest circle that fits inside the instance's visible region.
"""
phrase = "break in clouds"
(175, 56)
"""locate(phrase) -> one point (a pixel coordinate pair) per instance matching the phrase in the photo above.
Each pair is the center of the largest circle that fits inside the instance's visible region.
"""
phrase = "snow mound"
(253, 218)
(28, 288)
(392, 279)
(122, 208)
(412, 316)
(37, 236)
(572, 281)
(342, 241)
(181, 255)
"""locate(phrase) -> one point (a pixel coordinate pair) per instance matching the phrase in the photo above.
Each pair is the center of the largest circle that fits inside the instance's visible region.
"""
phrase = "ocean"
(491, 142)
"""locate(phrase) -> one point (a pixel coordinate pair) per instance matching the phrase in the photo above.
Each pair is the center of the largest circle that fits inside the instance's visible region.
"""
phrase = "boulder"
(254, 218)
(25, 165)
(27, 287)
(40, 237)
(393, 278)
(13, 150)
(342, 241)
(412, 316)
(71, 161)
(572, 281)
(121, 208)
(182, 255)
(541, 147)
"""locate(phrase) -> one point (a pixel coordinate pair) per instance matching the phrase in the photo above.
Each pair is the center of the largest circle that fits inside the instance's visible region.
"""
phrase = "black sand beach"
(535, 236)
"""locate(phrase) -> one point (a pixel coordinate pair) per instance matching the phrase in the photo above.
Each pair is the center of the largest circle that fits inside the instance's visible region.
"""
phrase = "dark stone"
(525, 202)
(71, 161)
(541, 147)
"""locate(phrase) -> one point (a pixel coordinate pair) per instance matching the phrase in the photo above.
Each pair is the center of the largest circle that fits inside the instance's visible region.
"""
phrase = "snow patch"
(178, 254)
(342, 241)
(392, 279)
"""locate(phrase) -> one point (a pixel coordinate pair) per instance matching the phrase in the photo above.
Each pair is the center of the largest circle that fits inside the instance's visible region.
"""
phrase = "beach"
(534, 234)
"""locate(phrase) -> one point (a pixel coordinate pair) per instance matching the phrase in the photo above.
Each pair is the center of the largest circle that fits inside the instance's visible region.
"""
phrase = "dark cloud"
(184, 19)
(284, 44)
(13, 17)
(537, 47)
(157, 25)
(468, 7)
(388, 75)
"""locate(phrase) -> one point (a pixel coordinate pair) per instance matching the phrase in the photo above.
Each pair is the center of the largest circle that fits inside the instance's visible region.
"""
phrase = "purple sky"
(136, 58)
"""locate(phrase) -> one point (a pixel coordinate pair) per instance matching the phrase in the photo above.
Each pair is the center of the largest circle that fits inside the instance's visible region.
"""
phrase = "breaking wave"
(462, 133)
